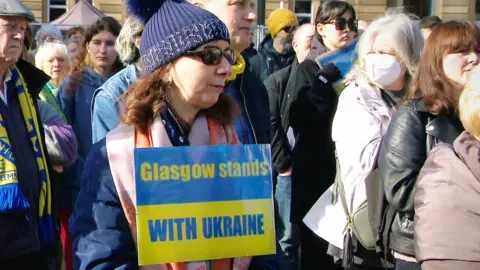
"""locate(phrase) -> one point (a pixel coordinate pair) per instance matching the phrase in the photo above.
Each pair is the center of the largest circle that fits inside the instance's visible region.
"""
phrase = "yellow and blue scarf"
(11, 196)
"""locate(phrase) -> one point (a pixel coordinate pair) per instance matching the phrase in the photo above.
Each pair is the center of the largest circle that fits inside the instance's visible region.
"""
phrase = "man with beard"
(276, 52)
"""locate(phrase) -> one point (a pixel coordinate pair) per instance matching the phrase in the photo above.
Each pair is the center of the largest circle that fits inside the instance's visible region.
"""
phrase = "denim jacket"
(105, 110)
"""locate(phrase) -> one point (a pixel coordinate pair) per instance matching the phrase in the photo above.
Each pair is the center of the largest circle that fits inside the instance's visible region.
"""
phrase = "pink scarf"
(120, 146)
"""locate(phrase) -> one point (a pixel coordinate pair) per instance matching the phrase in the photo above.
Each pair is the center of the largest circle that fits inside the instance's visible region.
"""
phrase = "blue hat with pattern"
(173, 27)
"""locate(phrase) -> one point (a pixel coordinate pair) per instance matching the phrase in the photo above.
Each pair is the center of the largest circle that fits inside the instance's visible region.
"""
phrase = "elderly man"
(276, 84)
(27, 232)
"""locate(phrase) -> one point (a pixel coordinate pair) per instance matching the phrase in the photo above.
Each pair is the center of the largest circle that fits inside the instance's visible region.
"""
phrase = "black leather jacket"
(402, 155)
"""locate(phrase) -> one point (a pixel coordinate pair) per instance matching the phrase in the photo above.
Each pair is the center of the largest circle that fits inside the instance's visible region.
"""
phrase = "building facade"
(48, 10)
(370, 9)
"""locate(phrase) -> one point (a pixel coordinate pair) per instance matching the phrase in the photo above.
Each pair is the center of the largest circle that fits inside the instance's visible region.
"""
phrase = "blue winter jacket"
(105, 111)
(76, 106)
(101, 235)
(253, 126)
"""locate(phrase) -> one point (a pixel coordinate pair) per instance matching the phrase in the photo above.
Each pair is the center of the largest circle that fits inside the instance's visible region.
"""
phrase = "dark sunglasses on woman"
(341, 23)
(212, 56)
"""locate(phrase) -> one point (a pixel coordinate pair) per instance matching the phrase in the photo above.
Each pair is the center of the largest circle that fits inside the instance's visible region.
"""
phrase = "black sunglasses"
(341, 23)
(289, 28)
(212, 56)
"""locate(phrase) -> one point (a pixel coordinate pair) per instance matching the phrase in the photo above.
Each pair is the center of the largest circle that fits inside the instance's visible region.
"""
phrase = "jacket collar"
(468, 150)
(130, 73)
(34, 77)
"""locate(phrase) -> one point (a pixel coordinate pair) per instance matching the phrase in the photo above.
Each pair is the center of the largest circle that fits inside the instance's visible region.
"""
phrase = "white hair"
(48, 49)
(125, 45)
(405, 38)
(49, 29)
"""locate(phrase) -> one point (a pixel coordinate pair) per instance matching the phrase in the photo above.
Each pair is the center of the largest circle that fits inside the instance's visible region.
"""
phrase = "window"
(303, 10)
(477, 10)
(56, 8)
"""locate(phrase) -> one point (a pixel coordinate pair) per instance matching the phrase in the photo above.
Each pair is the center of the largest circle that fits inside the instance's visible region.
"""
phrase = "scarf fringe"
(12, 197)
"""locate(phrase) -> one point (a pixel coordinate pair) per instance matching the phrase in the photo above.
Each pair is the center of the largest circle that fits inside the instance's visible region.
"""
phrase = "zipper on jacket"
(246, 110)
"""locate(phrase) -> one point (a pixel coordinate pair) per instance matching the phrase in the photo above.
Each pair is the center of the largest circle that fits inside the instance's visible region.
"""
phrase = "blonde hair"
(48, 49)
(469, 106)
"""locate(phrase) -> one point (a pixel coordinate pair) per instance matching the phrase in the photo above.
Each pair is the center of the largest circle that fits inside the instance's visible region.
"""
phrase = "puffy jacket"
(446, 207)
(402, 154)
(105, 110)
(268, 59)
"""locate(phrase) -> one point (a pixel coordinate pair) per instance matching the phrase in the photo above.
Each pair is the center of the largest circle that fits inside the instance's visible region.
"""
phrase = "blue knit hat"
(173, 27)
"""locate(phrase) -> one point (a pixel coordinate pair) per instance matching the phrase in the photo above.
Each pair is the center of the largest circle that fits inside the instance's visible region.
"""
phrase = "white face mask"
(383, 69)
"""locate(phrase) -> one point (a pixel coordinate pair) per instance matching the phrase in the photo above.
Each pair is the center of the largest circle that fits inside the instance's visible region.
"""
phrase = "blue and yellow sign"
(203, 202)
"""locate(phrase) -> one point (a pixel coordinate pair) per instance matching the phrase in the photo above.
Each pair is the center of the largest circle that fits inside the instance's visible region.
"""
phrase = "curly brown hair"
(145, 99)
(82, 60)
(440, 94)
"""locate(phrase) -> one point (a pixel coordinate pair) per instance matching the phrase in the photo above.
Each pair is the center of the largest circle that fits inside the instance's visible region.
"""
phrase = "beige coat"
(447, 212)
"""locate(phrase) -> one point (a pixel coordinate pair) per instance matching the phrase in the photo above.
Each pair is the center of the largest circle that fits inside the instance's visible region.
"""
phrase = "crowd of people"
(375, 167)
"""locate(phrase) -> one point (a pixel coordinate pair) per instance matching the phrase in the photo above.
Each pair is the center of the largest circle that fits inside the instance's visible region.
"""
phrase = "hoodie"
(268, 59)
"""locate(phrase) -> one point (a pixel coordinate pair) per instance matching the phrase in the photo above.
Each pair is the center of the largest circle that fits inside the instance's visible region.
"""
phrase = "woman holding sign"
(179, 102)
(308, 108)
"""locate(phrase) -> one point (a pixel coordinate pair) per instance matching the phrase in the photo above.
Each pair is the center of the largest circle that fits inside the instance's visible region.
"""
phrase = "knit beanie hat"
(280, 18)
(172, 28)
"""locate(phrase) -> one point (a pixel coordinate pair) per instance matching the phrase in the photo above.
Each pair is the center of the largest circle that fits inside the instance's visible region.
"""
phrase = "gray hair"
(51, 30)
(404, 33)
(48, 49)
(125, 44)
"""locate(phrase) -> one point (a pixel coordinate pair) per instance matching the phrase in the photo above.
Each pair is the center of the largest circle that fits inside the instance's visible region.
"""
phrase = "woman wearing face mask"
(388, 53)
(429, 117)
(308, 107)
(164, 108)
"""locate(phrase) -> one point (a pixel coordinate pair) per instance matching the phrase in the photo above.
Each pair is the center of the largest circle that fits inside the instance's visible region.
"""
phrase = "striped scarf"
(11, 196)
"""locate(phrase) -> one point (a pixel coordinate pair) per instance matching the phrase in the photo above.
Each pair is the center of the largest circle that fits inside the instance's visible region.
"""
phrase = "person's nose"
(103, 48)
(19, 35)
(251, 15)
(224, 68)
(473, 57)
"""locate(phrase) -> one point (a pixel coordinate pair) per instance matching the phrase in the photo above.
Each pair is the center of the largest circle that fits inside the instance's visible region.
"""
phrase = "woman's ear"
(320, 29)
(87, 48)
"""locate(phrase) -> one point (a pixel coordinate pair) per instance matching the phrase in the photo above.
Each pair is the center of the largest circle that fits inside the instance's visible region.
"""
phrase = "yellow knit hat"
(280, 18)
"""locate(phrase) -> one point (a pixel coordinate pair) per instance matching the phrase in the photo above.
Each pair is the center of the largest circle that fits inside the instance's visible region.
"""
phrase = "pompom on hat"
(172, 28)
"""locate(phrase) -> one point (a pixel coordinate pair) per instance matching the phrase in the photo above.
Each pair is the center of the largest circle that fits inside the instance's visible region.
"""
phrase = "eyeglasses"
(341, 23)
(289, 28)
(212, 56)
